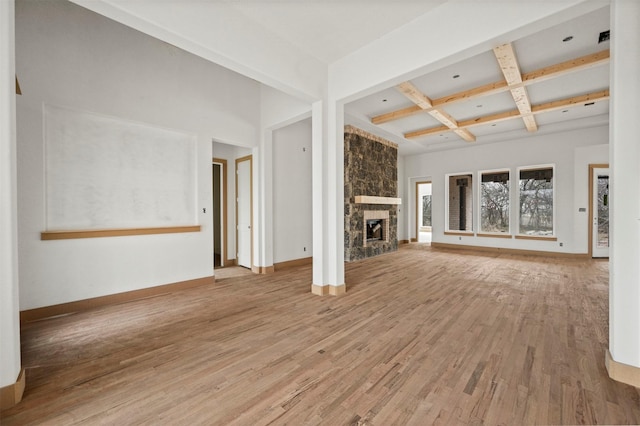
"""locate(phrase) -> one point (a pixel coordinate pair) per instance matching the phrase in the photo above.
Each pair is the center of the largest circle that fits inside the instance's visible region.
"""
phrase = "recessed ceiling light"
(384, 100)
(566, 39)
(456, 75)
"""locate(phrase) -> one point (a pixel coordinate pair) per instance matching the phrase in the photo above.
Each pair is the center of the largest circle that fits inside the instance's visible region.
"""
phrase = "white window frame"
(446, 203)
(482, 232)
(516, 183)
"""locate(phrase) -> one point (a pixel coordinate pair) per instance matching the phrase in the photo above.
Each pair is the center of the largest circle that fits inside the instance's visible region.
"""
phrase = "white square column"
(11, 376)
(328, 198)
(623, 358)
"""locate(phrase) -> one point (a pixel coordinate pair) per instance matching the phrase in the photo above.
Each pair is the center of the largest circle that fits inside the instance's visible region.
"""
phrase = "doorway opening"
(219, 213)
(423, 212)
(600, 201)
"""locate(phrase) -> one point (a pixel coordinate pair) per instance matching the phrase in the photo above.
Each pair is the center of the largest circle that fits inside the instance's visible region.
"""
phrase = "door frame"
(418, 205)
(248, 158)
(223, 197)
(591, 191)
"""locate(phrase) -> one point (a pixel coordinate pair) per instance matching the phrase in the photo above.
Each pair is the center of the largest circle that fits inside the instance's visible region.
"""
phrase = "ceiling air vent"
(604, 36)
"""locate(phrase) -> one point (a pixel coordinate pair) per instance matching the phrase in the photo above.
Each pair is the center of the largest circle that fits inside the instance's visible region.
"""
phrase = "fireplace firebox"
(375, 230)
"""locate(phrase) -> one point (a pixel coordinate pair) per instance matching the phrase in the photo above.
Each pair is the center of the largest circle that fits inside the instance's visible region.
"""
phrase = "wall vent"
(604, 36)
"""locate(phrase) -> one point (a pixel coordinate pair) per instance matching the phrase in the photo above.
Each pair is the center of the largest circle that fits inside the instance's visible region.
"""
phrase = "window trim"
(447, 230)
(553, 236)
(481, 232)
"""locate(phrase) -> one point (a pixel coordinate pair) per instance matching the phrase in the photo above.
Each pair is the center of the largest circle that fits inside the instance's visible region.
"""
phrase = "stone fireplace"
(370, 195)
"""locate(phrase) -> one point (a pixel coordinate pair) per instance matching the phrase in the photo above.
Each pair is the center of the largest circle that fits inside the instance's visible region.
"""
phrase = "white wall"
(292, 225)
(570, 152)
(279, 109)
(224, 35)
(114, 70)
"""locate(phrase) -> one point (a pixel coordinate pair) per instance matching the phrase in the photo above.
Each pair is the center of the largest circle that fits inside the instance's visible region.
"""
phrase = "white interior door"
(243, 209)
(600, 207)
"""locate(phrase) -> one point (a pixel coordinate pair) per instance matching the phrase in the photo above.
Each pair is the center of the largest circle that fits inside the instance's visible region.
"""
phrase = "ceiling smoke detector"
(604, 36)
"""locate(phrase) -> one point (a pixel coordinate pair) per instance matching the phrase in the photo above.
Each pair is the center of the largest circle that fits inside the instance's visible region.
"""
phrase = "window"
(536, 202)
(494, 202)
(426, 210)
(460, 203)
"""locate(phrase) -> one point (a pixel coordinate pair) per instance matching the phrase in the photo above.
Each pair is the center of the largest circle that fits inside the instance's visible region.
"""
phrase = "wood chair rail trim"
(120, 232)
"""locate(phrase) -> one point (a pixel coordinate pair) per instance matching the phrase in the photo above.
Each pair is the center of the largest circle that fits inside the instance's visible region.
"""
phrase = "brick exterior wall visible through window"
(457, 182)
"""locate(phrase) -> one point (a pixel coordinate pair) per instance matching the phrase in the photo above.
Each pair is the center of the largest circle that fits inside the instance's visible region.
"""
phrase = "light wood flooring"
(423, 336)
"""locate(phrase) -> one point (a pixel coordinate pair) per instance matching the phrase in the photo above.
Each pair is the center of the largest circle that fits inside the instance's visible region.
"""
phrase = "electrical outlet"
(305, 249)
(561, 244)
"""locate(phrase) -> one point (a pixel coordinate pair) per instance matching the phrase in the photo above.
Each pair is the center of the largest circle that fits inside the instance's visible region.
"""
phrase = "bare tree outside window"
(536, 202)
(426, 210)
(603, 211)
(494, 202)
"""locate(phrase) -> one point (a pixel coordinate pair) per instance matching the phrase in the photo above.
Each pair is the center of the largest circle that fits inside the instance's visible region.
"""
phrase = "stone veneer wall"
(370, 168)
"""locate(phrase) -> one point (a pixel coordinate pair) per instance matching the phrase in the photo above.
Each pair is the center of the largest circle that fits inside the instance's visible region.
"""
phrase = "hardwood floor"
(423, 336)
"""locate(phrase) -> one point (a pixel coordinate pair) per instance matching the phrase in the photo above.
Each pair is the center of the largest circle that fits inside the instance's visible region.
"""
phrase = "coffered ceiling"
(551, 81)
